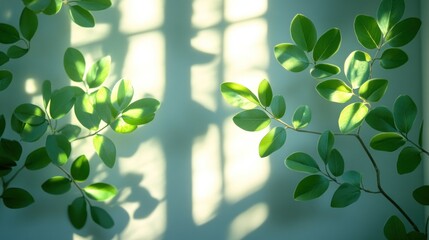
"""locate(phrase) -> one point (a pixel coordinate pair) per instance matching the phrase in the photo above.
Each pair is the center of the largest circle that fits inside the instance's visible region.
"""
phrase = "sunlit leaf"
(77, 212)
(101, 217)
(105, 149)
(80, 168)
(408, 160)
(357, 68)
(37, 159)
(94, 5)
(351, 117)
(30, 113)
(98, 72)
(381, 119)
(352, 177)
(100, 191)
(36, 5)
(57, 185)
(237, 95)
(81, 16)
(303, 32)
(54, 7)
(291, 57)
(58, 149)
(85, 112)
(278, 106)
(421, 195)
(404, 113)
(16, 198)
(28, 23)
(265, 93)
(394, 229)
(102, 106)
(335, 90)
(327, 45)
(324, 70)
(367, 31)
(389, 13)
(302, 162)
(70, 131)
(28, 132)
(252, 120)
(345, 195)
(74, 64)
(8, 34)
(373, 90)
(325, 144)
(272, 141)
(122, 94)
(5, 79)
(335, 163)
(311, 187)
(301, 117)
(403, 32)
(141, 111)
(393, 58)
(120, 126)
(387, 141)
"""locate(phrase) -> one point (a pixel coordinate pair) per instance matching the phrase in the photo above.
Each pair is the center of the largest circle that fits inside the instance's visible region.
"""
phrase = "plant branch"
(6, 183)
(91, 134)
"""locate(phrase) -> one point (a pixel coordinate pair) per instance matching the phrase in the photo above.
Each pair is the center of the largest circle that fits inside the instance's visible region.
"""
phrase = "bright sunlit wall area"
(192, 174)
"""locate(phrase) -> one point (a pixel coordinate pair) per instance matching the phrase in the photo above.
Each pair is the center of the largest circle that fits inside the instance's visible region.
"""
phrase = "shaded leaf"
(278, 106)
(3, 59)
(373, 90)
(46, 93)
(403, 32)
(311, 187)
(101, 217)
(352, 177)
(74, 64)
(236, 95)
(327, 45)
(54, 7)
(85, 112)
(58, 148)
(15, 51)
(100, 191)
(105, 149)
(387, 141)
(334, 90)
(335, 163)
(351, 117)
(62, 100)
(16, 198)
(10, 149)
(381, 119)
(94, 5)
(394, 229)
(57, 185)
(421, 195)
(302, 162)
(81, 16)
(301, 117)
(325, 144)
(252, 120)
(36, 5)
(345, 195)
(324, 70)
(37, 159)
(272, 141)
(393, 58)
(70, 131)
(123, 91)
(98, 72)
(389, 13)
(291, 57)
(303, 32)
(367, 31)
(404, 113)
(29, 113)
(28, 23)
(8, 34)
(5, 79)
(80, 168)
(77, 212)
(141, 111)
(265, 93)
(357, 68)
(2, 124)
(408, 160)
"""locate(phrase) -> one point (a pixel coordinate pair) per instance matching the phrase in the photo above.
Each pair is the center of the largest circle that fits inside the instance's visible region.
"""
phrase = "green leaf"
(367, 31)
(15, 51)
(122, 94)
(10, 149)
(105, 149)
(77, 212)
(120, 126)
(46, 93)
(95, 5)
(403, 32)
(389, 13)
(357, 68)
(351, 117)
(8, 34)
(352, 177)
(265, 93)
(408, 160)
(416, 235)
(58, 148)
(5, 79)
(252, 120)
(28, 132)
(272, 141)
(102, 106)
(54, 7)
(394, 229)
(80, 169)
(3, 59)
(30, 113)
(85, 112)
(57, 185)
(28, 23)
(302, 162)
(404, 113)
(335, 163)
(381, 119)
(291, 57)
(324, 70)
(373, 90)
(393, 58)
(2, 124)
(278, 106)
(16, 198)
(303, 32)
(100, 191)
(141, 111)
(101, 217)
(74, 64)
(325, 144)
(98, 72)
(335, 90)
(62, 100)
(36, 5)
(81, 16)
(70, 131)
(345, 195)
(301, 117)
(421, 195)
(327, 45)
(387, 141)
(311, 187)
(236, 95)
(37, 159)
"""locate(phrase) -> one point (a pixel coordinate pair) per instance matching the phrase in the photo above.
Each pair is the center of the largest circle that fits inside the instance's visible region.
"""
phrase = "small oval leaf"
(335, 90)
(301, 117)
(81, 16)
(291, 57)
(80, 169)
(381, 119)
(74, 64)
(100, 191)
(16, 198)
(351, 117)
(303, 32)
(404, 113)
(324, 70)
(37, 159)
(325, 144)
(373, 90)
(387, 141)
(272, 141)
(302, 162)
(393, 58)
(265, 93)
(105, 149)
(345, 195)
(335, 163)
(403, 32)
(101, 217)
(367, 31)
(77, 212)
(327, 45)
(252, 120)
(57, 185)
(311, 187)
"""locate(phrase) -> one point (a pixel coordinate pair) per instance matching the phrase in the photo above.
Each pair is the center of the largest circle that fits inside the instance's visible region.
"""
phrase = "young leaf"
(5, 79)
(387, 141)
(335, 163)
(98, 72)
(122, 94)
(324, 70)
(334, 90)
(302, 162)
(303, 32)
(278, 106)
(394, 229)
(70, 131)
(403, 32)
(15, 51)
(80, 169)
(272, 141)
(345, 195)
(141, 111)
(325, 144)
(57, 185)
(404, 113)
(421, 195)
(389, 13)
(94, 5)
(105, 149)
(77, 212)
(357, 68)
(120, 126)
(8, 34)
(301, 117)
(58, 148)
(311, 187)
(408, 160)
(265, 93)
(100, 191)
(373, 90)
(101, 217)
(81, 16)
(74, 64)
(102, 106)
(85, 112)
(54, 7)
(352, 177)
(37, 159)
(46, 93)
(291, 57)
(381, 119)
(367, 31)
(30, 113)
(327, 45)
(236, 95)
(393, 58)
(252, 120)
(16, 198)
(351, 117)
(28, 23)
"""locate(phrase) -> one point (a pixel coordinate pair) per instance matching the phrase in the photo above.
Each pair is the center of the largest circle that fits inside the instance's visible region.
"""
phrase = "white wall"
(192, 174)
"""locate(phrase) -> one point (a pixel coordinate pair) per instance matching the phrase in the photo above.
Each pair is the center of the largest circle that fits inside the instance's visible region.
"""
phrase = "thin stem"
(416, 145)
(75, 183)
(91, 134)
(6, 183)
